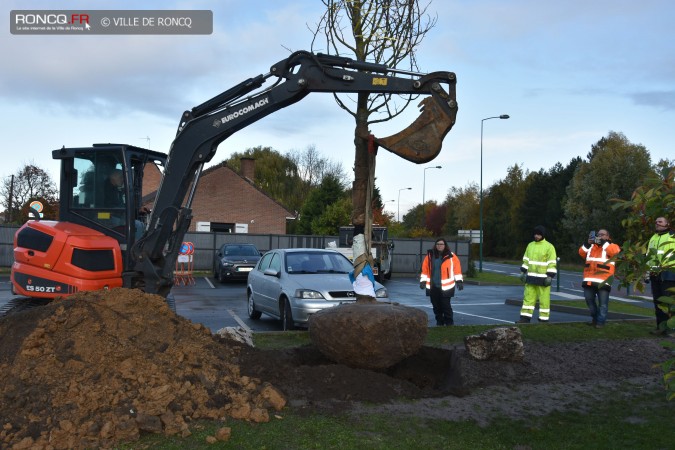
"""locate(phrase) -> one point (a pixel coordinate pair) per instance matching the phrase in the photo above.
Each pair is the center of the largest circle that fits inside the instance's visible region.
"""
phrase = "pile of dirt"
(103, 367)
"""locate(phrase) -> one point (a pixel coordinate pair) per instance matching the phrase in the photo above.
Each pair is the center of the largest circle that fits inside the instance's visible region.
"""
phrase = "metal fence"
(407, 253)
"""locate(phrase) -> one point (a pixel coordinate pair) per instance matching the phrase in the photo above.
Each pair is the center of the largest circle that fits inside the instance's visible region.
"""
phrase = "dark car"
(235, 261)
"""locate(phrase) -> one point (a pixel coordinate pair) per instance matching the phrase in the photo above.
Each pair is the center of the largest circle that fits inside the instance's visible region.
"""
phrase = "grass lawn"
(644, 421)
(495, 278)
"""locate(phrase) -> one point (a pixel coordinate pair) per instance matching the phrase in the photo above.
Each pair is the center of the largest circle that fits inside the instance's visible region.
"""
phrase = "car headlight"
(308, 294)
(227, 264)
(381, 293)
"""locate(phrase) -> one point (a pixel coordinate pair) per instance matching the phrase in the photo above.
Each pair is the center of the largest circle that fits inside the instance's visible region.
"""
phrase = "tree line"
(568, 200)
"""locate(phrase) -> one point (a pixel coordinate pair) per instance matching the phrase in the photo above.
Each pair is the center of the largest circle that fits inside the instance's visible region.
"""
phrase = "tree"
(503, 235)
(545, 193)
(615, 168)
(288, 179)
(435, 219)
(27, 184)
(333, 217)
(277, 175)
(653, 199)
(329, 191)
(380, 31)
(312, 167)
(462, 209)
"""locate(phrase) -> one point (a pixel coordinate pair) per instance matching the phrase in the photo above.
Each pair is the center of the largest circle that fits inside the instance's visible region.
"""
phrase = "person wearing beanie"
(662, 274)
(538, 270)
(598, 274)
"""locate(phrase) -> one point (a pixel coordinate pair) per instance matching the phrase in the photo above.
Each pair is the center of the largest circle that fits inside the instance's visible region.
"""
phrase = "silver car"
(293, 284)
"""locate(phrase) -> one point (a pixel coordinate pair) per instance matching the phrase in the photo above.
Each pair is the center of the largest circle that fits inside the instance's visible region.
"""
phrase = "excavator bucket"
(422, 140)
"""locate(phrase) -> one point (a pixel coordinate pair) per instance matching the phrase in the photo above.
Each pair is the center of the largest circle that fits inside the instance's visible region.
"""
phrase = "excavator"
(103, 244)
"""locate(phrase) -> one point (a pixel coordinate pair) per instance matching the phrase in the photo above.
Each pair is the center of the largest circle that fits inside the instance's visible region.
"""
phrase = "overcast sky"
(566, 72)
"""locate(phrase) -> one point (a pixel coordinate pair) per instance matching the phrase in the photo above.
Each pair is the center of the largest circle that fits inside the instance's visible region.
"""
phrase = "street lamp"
(503, 116)
(398, 215)
(384, 203)
(424, 183)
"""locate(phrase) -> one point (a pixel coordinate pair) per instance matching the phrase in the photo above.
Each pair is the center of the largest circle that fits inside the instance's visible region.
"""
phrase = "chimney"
(247, 168)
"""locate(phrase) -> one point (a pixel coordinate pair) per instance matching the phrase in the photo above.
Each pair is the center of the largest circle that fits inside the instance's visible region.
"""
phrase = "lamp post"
(398, 214)
(424, 185)
(480, 260)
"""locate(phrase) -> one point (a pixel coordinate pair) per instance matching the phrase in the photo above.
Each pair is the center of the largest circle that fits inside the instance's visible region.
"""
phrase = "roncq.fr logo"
(51, 19)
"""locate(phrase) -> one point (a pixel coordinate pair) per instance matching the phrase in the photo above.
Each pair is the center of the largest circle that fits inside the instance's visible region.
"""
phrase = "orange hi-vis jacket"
(451, 270)
(599, 271)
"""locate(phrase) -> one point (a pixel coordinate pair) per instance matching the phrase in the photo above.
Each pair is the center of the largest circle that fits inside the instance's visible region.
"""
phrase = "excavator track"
(16, 305)
(19, 304)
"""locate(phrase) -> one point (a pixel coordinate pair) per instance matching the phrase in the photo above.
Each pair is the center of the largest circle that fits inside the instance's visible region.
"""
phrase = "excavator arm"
(207, 125)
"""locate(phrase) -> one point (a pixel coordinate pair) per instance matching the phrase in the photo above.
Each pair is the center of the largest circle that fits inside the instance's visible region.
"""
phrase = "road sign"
(474, 235)
(37, 206)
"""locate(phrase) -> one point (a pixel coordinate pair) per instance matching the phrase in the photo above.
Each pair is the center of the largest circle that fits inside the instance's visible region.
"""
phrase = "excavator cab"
(101, 199)
(102, 188)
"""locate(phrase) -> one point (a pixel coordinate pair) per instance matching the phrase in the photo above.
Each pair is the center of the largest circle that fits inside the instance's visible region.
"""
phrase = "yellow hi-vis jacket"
(599, 270)
(663, 266)
(539, 262)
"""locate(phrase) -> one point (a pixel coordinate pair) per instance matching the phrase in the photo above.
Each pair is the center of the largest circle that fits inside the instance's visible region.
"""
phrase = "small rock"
(503, 344)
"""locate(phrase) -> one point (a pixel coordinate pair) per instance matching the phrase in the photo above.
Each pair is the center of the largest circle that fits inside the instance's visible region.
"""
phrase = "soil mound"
(102, 367)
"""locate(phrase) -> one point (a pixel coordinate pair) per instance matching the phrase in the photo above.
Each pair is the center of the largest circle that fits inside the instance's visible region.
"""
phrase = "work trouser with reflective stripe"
(532, 293)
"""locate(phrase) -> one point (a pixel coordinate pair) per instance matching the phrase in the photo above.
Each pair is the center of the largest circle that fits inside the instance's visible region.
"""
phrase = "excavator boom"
(149, 257)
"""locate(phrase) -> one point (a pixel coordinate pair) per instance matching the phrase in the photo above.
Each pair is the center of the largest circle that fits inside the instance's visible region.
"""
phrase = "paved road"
(218, 305)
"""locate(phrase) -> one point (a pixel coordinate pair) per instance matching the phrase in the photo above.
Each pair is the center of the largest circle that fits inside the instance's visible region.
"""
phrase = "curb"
(575, 310)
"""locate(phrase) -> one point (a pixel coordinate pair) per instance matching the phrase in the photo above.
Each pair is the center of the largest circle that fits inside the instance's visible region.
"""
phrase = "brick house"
(226, 201)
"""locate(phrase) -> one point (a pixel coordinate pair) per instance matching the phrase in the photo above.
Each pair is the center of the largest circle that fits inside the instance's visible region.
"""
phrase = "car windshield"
(317, 262)
(240, 250)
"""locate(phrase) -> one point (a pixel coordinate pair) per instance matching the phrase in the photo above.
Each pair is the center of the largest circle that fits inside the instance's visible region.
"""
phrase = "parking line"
(208, 281)
(239, 321)
(484, 317)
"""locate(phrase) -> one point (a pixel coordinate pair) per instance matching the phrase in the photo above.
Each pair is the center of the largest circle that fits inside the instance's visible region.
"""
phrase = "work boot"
(543, 321)
(439, 323)
(599, 325)
(523, 320)
(591, 323)
(657, 332)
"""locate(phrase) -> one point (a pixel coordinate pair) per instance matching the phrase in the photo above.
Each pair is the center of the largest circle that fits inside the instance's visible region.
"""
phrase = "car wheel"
(221, 278)
(287, 317)
(252, 312)
(387, 276)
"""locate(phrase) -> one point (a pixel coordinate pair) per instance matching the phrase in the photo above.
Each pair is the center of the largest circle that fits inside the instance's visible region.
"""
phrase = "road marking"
(208, 281)
(484, 317)
(238, 320)
(477, 304)
(569, 296)
(576, 297)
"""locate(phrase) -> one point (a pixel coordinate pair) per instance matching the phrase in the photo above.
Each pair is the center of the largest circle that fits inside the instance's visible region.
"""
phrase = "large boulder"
(368, 334)
(502, 344)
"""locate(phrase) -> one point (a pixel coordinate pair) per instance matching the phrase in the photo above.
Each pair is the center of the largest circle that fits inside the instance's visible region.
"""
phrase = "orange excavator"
(101, 244)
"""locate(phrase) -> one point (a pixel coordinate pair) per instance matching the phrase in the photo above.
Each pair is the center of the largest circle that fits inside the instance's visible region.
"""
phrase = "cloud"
(664, 100)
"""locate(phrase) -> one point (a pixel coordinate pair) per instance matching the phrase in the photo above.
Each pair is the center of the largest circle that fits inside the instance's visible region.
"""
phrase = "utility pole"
(8, 216)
